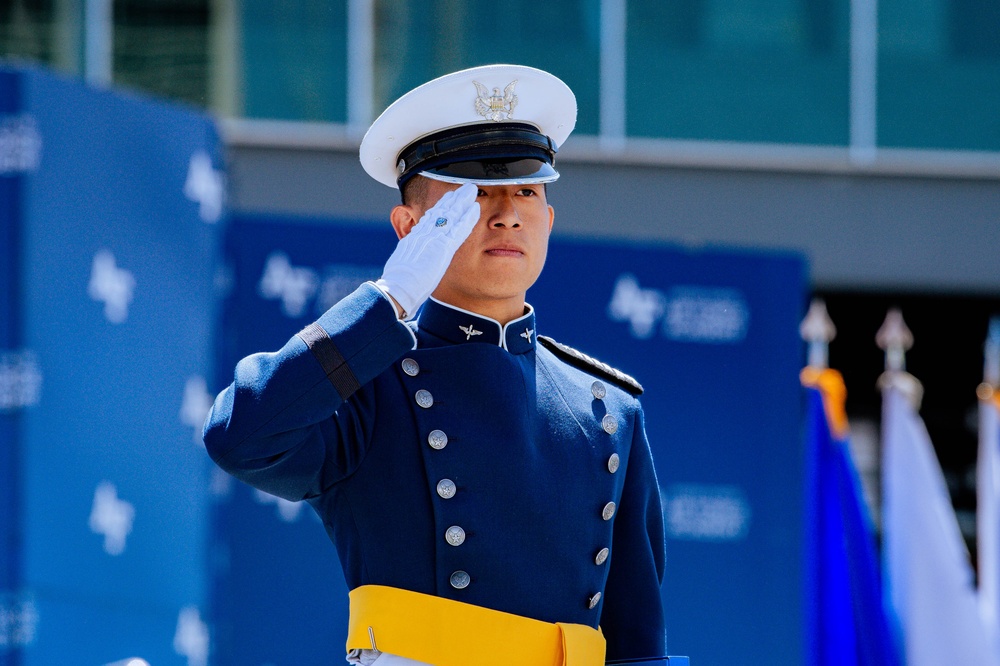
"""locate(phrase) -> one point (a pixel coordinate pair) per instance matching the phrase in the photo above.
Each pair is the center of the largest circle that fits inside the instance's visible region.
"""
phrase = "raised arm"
(283, 425)
(295, 421)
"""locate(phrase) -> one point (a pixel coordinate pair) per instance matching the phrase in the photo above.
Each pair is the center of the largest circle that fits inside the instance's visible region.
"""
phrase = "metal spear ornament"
(895, 338)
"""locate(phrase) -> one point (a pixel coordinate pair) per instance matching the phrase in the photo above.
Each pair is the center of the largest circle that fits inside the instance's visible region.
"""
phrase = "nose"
(503, 213)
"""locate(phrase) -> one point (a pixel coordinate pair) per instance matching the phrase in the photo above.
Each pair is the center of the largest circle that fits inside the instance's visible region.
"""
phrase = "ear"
(552, 217)
(403, 219)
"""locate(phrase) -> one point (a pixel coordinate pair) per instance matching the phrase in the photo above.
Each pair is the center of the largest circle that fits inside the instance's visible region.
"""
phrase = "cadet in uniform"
(490, 491)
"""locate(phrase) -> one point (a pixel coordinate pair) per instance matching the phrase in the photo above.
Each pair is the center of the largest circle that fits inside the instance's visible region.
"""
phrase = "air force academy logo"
(288, 510)
(641, 308)
(18, 621)
(293, 285)
(205, 186)
(111, 517)
(711, 315)
(112, 286)
(20, 145)
(20, 380)
(192, 639)
(195, 406)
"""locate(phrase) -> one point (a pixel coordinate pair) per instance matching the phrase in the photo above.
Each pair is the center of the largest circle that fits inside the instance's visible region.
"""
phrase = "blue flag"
(846, 621)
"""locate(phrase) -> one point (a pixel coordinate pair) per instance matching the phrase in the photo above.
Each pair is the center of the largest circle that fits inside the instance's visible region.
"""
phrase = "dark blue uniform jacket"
(476, 427)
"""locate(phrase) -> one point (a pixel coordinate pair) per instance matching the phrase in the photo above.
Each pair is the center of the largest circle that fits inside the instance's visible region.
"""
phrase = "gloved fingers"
(463, 197)
(432, 217)
(440, 207)
(465, 223)
(451, 207)
(422, 256)
(463, 207)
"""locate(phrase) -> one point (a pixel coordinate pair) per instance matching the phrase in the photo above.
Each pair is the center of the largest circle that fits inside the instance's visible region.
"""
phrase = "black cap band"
(500, 152)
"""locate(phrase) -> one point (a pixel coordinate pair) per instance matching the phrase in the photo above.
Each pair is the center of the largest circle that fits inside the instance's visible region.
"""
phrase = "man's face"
(506, 250)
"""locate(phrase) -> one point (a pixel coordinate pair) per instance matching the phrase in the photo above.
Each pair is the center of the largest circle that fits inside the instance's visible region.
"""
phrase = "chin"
(494, 292)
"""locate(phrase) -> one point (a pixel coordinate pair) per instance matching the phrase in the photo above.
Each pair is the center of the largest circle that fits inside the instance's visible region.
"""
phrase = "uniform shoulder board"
(591, 364)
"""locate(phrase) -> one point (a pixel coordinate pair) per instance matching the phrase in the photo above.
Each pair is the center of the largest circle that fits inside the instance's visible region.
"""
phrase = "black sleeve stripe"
(330, 359)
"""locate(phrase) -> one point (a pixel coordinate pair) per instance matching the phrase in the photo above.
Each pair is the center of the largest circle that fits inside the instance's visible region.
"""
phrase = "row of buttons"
(610, 425)
(446, 488)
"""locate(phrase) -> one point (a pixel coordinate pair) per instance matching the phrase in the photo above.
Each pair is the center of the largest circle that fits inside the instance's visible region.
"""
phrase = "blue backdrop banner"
(713, 337)
(114, 240)
(12, 361)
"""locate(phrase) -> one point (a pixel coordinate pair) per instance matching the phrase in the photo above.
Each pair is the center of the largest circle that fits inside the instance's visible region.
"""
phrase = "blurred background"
(845, 149)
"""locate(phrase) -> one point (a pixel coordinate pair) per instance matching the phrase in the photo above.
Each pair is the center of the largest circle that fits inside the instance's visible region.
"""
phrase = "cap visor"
(516, 172)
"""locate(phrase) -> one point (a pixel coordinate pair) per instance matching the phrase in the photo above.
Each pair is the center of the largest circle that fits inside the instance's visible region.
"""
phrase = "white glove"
(423, 255)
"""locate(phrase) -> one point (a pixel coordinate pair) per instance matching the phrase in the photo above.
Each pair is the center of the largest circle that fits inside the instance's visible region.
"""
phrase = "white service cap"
(497, 123)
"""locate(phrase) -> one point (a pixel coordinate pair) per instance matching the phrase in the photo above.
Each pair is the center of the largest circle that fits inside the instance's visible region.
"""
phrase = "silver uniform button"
(455, 535)
(424, 398)
(602, 556)
(610, 424)
(411, 367)
(594, 600)
(437, 439)
(609, 511)
(460, 580)
(446, 488)
(614, 462)
(597, 388)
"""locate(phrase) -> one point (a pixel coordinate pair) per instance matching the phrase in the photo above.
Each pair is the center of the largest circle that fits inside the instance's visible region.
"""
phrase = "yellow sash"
(443, 632)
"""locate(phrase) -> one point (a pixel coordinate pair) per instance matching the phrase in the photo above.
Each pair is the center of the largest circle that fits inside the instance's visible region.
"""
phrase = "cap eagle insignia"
(496, 107)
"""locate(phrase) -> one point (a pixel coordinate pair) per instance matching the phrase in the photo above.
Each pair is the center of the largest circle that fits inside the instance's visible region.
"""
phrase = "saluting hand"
(424, 254)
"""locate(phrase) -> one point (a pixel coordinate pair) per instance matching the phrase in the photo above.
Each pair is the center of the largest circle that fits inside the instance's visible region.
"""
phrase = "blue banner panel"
(111, 634)
(117, 254)
(713, 337)
(279, 595)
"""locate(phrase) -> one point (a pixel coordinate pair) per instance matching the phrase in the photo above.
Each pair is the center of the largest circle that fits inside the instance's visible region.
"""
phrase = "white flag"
(988, 515)
(988, 484)
(928, 574)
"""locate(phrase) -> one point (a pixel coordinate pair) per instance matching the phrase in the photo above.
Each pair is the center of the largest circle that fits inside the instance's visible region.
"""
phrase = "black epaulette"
(591, 364)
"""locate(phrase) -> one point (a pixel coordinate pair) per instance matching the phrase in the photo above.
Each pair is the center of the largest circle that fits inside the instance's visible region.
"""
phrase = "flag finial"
(818, 330)
(894, 338)
(991, 366)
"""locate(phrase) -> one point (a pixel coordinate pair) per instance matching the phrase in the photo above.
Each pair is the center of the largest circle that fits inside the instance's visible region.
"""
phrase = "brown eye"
(481, 193)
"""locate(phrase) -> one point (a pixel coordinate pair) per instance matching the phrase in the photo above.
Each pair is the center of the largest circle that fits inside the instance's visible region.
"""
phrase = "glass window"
(27, 31)
(161, 46)
(722, 70)
(294, 59)
(418, 40)
(939, 74)
(739, 70)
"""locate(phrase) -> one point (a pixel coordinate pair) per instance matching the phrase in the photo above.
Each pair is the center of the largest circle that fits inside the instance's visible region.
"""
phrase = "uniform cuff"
(383, 287)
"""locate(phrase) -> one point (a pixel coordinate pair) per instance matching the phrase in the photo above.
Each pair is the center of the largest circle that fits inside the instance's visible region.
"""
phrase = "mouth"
(505, 251)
